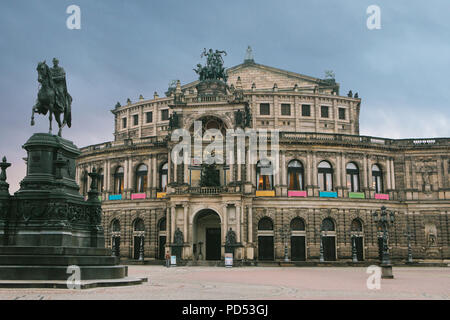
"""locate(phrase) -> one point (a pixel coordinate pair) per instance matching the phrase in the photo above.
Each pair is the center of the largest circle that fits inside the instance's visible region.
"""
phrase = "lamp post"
(321, 258)
(383, 219)
(354, 255)
(409, 235)
(113, 247)
(285, 233)
(141, 249)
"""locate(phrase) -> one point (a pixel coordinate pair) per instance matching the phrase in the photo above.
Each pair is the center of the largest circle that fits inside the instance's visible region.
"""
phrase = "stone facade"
(413, 176)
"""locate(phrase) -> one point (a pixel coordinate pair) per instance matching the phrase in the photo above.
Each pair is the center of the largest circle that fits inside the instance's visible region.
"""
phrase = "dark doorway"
(213, 244)
(298, 248)
(265, 248)
(137, 246)
(329, 248)
(359, 248)
(162, 248)
(116, 244)
(380, 248)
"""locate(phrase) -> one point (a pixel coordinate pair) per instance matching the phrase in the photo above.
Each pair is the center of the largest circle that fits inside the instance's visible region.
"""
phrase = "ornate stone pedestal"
(386, 271)
(47, 226)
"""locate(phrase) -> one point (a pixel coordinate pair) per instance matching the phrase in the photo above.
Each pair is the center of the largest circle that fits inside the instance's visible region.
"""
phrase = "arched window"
(265, 224)
(377, 179)
(101, 178)
(115, 225)
(163, 177)
(85, 182)
(352, 177)
(356, 225)
(295, 175)
(141, 178)
(327, 225)
(264, 175)
(118, 180)
(325, 176)
(162, 224)
(297, 224)
(139, 225)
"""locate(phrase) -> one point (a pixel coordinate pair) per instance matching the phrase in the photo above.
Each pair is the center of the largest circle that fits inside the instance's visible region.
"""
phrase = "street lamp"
(113, 247)
(141, 249)
(409, 235)
(354, 255)
(285, 233)
(383, 220)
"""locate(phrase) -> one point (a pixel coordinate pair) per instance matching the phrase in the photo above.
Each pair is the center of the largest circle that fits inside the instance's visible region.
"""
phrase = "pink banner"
(297, 194)
(136, 196)
(381, 196)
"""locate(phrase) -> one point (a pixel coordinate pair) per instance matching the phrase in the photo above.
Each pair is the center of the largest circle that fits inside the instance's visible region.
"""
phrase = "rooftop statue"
(53, 96)
(214, 69)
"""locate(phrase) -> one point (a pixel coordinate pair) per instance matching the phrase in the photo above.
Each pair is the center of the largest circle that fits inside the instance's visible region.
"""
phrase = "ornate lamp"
(383, 220)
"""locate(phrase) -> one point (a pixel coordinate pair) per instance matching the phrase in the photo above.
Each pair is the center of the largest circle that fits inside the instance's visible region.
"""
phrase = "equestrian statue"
(53, 96)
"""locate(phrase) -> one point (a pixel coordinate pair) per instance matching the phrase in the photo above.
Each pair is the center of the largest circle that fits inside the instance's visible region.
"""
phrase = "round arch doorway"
(207, 239)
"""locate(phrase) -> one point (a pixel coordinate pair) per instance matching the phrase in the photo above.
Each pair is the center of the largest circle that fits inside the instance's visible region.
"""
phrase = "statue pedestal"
(49, 227)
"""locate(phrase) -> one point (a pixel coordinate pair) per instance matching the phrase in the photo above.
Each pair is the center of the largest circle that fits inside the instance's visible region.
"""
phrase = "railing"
(206, 190)
(313, 136)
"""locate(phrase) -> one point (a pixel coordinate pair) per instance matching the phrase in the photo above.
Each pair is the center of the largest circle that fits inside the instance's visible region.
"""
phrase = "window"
(306, 110)
(118, 180)
(149, 117)
(264, 175)
(285, 109)
(356, 225)
(139, 225)
(341, 113)
(124, 123)
(135, 120)
(325, 176)
(164, 114)
(265, 224)
(377, 179)
(264, 109)
(327, 225)
(295, 175)
(163, 177)
(352, 177)
(324, 111)
(141, 178)
(115, 226)
(297, 224)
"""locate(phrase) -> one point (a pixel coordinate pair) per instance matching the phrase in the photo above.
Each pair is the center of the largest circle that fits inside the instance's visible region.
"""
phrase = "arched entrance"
(162, 238)
(265, 239)
(207, 238)
(329, 239)
(298, 235)
(138, 234)
(358, 236)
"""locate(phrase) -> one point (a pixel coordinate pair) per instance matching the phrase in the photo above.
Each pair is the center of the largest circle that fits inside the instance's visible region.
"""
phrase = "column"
(186, 222)
(338, 171)
(149, 175)
(169, 168)
(238, 220)
(224, 221)
(175, 169)
(250, 224)
(308, 169)
(388, 174)
(314, 169)
(393, 174)
(172, 222)
(283, 168)
(154, 171)
(231, 165)
(365, 172)
(343, 170)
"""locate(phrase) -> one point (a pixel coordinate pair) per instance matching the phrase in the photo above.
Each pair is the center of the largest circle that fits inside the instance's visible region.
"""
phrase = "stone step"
(15, 272)
(62, 284)
(47, 260)
(70, 251)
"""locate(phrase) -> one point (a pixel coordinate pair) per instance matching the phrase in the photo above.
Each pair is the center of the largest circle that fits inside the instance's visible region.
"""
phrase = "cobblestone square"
(258, 283)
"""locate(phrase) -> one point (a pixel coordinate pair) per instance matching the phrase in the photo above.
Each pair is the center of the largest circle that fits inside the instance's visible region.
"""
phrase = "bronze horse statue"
(51, 98)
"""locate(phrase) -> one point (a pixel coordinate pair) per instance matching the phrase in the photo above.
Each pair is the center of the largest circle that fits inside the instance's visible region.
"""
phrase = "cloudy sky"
(128, 48)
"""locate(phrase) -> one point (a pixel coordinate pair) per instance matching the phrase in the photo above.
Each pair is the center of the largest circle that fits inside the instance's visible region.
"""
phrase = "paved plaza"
(259, 283)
